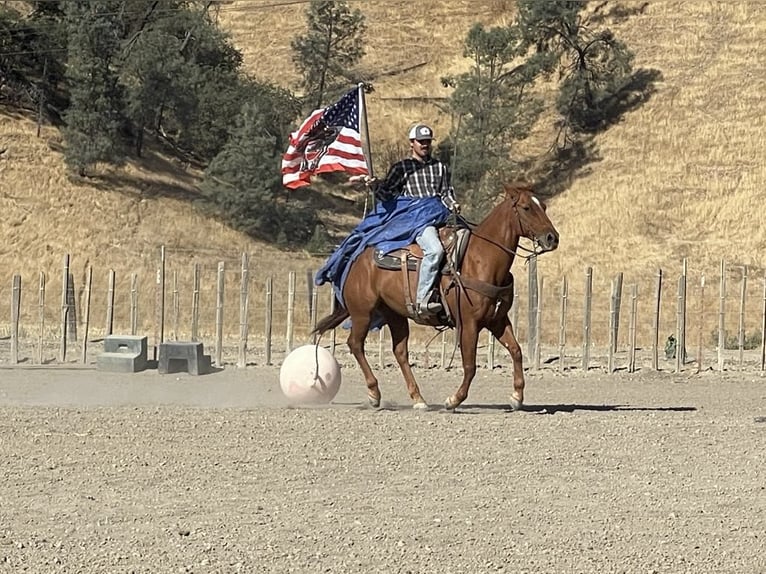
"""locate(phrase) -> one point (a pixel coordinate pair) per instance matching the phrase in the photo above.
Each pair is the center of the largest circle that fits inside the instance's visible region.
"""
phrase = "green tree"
(331, 47)
(594, 66)
(244, 180)
(492, 105)
(93, 119)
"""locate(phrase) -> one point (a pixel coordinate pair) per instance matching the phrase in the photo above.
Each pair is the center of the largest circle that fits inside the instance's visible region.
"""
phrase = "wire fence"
(665, 321)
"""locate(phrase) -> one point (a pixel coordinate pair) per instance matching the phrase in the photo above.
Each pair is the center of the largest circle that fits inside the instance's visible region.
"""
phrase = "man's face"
(421, 149)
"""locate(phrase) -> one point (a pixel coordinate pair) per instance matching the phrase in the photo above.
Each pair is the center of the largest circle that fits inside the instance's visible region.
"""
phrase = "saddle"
(408, 259)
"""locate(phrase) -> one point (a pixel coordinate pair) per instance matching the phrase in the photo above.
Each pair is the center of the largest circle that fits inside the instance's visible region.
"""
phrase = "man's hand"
(456, 208)
(366, 179)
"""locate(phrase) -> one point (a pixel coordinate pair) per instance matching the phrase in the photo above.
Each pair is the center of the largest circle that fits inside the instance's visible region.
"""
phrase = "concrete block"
(183, 356)
(134, 344)
(121, 362)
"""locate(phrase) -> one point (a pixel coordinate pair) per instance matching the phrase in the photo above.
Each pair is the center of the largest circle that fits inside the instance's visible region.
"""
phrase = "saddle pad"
(393, 260)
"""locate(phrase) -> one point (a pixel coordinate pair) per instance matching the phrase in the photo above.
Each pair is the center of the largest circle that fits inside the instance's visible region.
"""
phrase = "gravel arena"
(633, 473)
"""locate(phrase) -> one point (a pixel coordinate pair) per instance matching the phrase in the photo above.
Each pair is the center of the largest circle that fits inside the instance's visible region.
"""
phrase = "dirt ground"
(630, 473)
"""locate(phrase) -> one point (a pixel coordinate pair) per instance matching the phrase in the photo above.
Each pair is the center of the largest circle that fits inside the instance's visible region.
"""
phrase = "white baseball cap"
(421, 132)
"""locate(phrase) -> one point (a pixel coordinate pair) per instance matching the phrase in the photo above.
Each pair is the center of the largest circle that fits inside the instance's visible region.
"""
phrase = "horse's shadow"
(573, 407)
(475, 408)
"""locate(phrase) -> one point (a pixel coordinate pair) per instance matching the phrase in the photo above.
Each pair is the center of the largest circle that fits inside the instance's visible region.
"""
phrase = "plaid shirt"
(411, 178)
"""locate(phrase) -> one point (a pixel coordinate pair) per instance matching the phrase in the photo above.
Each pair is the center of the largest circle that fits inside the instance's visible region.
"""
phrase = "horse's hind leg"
(400, 334)
(503, 332)
(360, 326)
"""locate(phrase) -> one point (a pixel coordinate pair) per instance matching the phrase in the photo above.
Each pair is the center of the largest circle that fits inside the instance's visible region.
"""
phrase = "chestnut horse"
(478, 295)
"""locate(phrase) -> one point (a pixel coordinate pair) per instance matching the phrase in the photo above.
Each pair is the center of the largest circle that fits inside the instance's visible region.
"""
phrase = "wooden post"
(133, 304)
(381, 337)
(159, 309)
(632, 329)
(290, 312)
(333, 334)
(490, 350)
(741, 325)
(268, 313)
(763, 326)
(195, 302)
(617, 305)
(563, 322)
(656, 321)
(71, 323)
(219, 315)
(41, 318)
(310, 290)
(682, 317)
(313, 317)
(587, 319)
(532, 306)
(702, 323)
(444, 349)
(539, 322)
(110, 304)
(612, 328)
(515, 310)
(64, 308)
(176, 306)
(86, 314)
(15, 312)
(721, 316)
(244, 305)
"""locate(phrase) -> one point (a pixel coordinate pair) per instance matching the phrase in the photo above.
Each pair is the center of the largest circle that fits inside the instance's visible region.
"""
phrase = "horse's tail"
(331, 321)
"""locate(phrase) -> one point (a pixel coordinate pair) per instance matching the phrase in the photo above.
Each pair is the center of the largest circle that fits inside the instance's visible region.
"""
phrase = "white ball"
(310, 375)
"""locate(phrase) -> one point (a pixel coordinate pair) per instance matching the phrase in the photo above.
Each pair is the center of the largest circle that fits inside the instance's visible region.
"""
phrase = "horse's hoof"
(420, 406)
(374, 403)
(451, 404)
(516, 404)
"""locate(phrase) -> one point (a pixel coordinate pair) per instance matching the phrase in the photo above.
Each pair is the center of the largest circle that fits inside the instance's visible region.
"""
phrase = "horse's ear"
(512, 192)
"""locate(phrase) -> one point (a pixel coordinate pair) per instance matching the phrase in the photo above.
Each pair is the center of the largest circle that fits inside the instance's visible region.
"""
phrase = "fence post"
(41, 317)
(159, 326)
(632, 328)
(176, 305)
(763, 326)
(702, 322)
(617, 305)
(563, 322)
(539, 322)
(741, 326)
(244, 304)
(656, 321)
(532, 307)
(64, 308)
(15, 311)
(86, 314)
(290, 312)
(721, 315)
(612, 328)
(219, 314)
(195, 302)
(71, 323)
(268, 317)
(133, 304)
(333, 334)
(681, 324)
(110, 304)
(586, 319)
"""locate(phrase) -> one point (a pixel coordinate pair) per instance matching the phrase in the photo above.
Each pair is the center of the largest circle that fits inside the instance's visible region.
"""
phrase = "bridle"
(534, 252)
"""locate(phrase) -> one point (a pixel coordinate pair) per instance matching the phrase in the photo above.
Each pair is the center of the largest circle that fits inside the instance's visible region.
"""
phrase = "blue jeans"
(429, 242)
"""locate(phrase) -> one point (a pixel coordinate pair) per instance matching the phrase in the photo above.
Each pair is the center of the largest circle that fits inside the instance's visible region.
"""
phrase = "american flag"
(328, 140)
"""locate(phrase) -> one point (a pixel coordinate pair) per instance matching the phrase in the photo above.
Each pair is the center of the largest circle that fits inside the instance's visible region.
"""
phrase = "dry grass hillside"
(681, 177)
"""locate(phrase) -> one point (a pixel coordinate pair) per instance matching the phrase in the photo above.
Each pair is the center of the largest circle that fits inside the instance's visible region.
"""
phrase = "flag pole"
(366, 138)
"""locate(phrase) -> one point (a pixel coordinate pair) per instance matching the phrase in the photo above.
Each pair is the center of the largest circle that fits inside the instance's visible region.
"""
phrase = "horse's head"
(533, 220)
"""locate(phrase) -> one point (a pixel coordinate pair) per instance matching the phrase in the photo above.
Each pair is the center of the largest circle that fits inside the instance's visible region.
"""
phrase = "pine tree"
(94, 116)
(326, 54)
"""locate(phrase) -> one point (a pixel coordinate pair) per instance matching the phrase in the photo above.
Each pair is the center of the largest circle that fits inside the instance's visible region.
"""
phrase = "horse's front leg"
(360, 326)
(469, 337)
(503, 332)
(400, 333)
